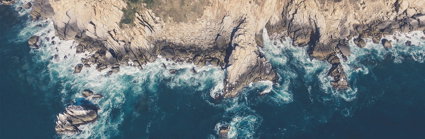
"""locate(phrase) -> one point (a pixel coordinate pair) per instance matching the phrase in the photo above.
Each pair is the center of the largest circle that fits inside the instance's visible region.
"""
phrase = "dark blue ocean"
(387, 99)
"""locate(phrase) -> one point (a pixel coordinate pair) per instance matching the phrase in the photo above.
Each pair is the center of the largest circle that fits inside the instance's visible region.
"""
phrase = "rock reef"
(80, 113)
(225, 33)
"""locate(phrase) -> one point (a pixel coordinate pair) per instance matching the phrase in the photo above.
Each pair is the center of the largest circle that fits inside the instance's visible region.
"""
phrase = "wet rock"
(101, 66)
(90, 94)
(173, 71)
(408, 43)
(340, 81)
(359, 42)
(80, 48)
(194, 70)
(115, 68)
(33, 42)
(87, 93)
(82, 112)
(27, 5)
(75, 115)
(7, 2)
(386, 43)
(223, 132)
(78, 68)
(40, 10)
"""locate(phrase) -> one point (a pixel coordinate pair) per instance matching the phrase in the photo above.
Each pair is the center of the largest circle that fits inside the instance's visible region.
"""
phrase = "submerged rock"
(82, 112)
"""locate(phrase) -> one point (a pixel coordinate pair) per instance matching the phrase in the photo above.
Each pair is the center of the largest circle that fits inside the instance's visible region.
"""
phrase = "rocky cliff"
(225, 33)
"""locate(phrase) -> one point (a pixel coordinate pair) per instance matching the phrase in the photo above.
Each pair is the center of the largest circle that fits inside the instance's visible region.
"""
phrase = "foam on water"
(288, 59)
(62, 57)
(290, 63)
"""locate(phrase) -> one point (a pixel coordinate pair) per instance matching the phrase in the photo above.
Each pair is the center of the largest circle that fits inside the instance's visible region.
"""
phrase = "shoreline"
(225, 50)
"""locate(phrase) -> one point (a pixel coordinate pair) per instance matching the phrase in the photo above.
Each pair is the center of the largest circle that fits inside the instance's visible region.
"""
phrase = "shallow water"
(386, 100)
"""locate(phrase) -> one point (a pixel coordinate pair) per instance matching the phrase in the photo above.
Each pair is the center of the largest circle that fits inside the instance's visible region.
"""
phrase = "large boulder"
(82, 112)
(67, 122)
(359, 42)
(33, 42)
(78, 68)
(386, 43)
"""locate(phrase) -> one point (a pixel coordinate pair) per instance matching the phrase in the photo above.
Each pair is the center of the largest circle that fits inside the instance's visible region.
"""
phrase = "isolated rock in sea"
(67, 122)
(224, 132)
(82, 112)
(78, 68)
(90, 94)
(33, 42)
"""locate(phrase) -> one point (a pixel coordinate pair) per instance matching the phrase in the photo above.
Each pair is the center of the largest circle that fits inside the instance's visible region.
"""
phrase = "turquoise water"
(386, 100)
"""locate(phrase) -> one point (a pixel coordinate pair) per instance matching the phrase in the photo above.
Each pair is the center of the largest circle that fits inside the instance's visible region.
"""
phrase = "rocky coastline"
(219, 33)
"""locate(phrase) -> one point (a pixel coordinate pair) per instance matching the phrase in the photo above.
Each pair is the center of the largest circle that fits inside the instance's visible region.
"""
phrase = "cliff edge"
(225, 33)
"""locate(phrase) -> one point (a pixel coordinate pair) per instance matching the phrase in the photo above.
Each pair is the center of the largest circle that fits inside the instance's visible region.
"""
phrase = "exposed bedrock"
(327, 29)
(80, 113)
(7, 2)
(225, 33)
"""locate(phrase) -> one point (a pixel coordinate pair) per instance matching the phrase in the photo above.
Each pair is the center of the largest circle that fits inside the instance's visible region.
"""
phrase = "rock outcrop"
(33, 42)
(7, 2)
(225, 33)
(80, 113)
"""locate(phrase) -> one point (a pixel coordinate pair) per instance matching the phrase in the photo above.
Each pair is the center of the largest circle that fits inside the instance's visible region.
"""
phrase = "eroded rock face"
(225, 33)
(7, 2)
(80, 113)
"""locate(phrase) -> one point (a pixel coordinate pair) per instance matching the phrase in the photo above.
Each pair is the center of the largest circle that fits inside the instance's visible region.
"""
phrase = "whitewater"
(137, 93)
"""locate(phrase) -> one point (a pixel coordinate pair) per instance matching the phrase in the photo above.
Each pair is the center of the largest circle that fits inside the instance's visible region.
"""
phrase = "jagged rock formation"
(83, 112)
(7, 2)
(225, 33)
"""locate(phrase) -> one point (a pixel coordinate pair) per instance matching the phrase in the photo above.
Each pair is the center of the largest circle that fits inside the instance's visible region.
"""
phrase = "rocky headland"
(225, 33)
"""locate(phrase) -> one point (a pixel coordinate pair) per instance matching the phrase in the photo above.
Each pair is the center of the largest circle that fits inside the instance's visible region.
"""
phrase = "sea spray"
(62, 57)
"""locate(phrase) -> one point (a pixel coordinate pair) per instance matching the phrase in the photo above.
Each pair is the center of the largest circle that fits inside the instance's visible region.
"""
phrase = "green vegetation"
(132, 7)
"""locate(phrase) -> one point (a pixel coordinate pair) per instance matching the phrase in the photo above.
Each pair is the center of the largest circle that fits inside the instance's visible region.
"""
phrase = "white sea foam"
(19, 7)
(244, 126)
(62, 57)
(283, 55)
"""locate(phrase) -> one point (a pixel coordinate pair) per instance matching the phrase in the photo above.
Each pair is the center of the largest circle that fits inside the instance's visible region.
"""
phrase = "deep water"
(387, 99)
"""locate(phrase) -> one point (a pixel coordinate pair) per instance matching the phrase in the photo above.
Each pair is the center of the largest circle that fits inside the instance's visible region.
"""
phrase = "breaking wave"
(117, 88)
(294, 67)
(293, 62)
